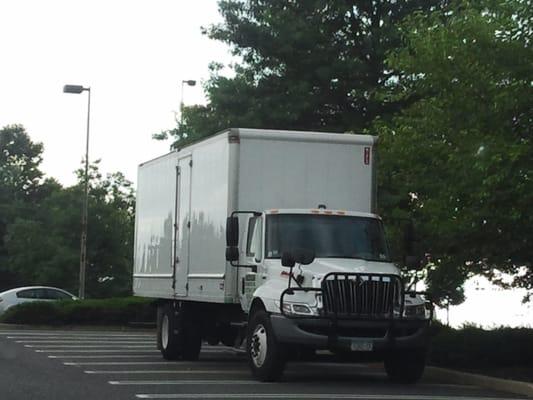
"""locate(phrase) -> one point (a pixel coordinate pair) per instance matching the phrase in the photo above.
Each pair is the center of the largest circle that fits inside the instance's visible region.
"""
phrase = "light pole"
(189, 82)
(77, 89)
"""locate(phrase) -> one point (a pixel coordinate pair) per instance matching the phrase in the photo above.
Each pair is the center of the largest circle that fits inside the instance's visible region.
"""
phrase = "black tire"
(192, 339)
(178, 336)
(167, 338)
(266, 362)
(405, 366)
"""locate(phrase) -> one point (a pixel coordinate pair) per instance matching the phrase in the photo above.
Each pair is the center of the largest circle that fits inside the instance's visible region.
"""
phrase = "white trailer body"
(184, 199)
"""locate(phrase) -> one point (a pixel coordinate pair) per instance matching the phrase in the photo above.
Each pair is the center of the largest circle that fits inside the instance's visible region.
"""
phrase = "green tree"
(459, 159)
(110, 240)
(19, 162)
(19, 186)
(44, 246)
(313, 64)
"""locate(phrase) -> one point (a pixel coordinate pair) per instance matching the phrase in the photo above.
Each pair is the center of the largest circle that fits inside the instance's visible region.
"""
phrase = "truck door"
(248, 280)
(182, 225)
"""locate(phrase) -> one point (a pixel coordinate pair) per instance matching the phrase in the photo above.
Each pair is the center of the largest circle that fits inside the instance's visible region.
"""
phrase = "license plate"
(361, 345)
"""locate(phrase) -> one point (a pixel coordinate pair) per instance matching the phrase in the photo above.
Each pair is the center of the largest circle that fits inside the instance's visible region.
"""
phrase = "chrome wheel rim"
(258, 345)
(164, 332)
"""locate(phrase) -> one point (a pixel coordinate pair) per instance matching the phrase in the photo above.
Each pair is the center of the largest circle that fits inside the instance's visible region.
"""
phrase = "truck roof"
(321, 211)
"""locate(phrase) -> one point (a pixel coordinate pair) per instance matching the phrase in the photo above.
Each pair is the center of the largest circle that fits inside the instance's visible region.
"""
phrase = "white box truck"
(268, 239)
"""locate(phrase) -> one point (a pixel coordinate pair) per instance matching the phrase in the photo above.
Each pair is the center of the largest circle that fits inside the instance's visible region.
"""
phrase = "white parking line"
(124, 363)
(90, 346)
(11, 335)
(73, 356)
(312, 396)
(151, 337)
(122, 342)
(98, 351)
(169, 371)
(193, 382)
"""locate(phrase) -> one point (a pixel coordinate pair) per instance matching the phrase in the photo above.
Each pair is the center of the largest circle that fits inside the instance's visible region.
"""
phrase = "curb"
(504, 385)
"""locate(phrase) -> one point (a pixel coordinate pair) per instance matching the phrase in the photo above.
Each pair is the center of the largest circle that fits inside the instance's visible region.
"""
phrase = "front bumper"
(321, 333)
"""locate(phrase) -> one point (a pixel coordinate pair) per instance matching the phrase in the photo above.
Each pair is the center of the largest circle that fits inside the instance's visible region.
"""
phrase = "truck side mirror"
(300, 256)
(287, 260)
(232, 232)
(232, 254)
(304, 256)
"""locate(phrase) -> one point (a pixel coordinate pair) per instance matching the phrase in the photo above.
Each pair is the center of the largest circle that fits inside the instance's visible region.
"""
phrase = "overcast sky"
(132, 53)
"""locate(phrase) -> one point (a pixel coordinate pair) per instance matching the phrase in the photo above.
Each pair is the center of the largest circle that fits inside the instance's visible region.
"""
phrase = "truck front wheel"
(405, 366)
(266, 356)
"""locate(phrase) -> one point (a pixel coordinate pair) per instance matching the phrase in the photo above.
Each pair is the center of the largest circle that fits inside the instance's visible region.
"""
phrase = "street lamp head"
(74, 89)
(190, 82)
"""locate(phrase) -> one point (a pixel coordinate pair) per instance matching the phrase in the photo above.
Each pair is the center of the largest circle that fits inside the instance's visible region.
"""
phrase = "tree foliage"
(446, 86)
(459, 159)
(314, 64)
(41, 224)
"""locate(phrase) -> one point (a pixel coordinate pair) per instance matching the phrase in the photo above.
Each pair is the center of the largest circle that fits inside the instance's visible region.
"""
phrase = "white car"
(12, 297)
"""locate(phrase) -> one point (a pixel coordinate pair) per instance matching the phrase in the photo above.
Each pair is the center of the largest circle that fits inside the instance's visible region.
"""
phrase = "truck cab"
(324, 279)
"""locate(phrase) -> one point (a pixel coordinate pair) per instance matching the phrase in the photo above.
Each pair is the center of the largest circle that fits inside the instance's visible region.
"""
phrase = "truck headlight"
(416, 311)
(296, 308)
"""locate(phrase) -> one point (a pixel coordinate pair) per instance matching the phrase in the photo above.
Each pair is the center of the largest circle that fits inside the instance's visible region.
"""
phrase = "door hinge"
(187, 286)
(190, 163)
(189, 224)
(178, 170)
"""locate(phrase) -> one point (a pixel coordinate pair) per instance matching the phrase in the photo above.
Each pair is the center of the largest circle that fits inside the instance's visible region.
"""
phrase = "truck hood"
(322, 266)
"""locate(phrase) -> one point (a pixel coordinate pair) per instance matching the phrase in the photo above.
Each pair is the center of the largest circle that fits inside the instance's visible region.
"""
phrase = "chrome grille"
(372, 295)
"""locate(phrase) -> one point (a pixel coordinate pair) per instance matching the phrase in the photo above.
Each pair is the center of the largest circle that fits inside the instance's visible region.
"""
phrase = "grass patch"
(115, 311)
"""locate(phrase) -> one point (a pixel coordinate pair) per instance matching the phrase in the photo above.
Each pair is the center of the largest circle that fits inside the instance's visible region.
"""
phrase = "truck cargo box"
(184, 197)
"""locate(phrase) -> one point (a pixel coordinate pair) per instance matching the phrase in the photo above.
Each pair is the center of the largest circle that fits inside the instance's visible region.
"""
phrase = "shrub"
(116, 311)
(474, 347)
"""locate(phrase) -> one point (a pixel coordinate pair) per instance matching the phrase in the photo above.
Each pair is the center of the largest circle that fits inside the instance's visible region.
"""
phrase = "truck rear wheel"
(177, 334)
(167, 335)
(192, 340)
(266, 356)
(405, 366)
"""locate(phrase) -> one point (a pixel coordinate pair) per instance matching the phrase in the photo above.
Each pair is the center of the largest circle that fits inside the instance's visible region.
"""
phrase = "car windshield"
(330, 236)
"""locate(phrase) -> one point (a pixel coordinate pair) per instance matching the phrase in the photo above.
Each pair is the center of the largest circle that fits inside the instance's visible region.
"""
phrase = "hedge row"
(117, 311)
(474, 347)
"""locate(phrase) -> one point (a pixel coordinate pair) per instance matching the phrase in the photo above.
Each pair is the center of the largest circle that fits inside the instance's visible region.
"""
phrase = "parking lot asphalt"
(74, 364)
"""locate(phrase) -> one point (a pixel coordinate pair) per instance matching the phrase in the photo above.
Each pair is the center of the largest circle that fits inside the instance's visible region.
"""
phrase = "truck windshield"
(329, 236)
